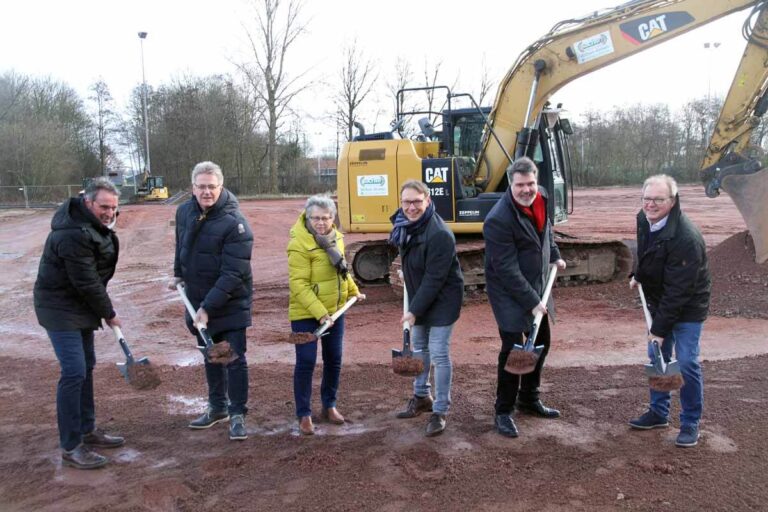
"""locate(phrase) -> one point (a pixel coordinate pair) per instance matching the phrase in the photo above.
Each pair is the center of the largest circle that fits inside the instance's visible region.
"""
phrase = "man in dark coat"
(213, 261)
(71, 299)
(435, 287)
(672, 269)
(519, 248)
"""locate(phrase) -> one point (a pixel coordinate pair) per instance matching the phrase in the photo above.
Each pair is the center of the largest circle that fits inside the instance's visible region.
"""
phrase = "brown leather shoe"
(305, 426)
(83, 458)
(332, 415)
(99, 439)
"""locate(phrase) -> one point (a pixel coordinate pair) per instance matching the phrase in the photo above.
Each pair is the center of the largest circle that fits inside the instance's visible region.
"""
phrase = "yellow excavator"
(464, 164)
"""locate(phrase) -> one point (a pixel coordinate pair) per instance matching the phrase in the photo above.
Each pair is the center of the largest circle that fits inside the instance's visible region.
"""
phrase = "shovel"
(137, 372)
(407, 362)
(220, 353)
(300, 338)
(522, 359)
(662, 375)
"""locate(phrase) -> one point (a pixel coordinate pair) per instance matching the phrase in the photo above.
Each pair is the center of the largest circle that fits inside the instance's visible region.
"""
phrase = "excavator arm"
(576, 47)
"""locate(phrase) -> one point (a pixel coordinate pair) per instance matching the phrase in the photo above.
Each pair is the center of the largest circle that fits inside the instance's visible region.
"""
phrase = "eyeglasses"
(320, 219)
(658, 201)
(415, 202)
(206, 187)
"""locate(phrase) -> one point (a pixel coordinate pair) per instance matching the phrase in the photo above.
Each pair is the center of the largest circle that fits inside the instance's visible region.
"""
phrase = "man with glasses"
(71, 299)
(435, 287)
(672, 268)
(213, 261)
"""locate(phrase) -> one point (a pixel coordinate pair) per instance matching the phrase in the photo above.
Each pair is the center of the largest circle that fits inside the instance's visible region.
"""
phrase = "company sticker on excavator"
(436, 174)
(593, 47)
(645, 29)
(372, 185)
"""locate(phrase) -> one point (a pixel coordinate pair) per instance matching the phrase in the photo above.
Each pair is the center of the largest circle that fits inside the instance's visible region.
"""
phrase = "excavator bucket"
(749, 193)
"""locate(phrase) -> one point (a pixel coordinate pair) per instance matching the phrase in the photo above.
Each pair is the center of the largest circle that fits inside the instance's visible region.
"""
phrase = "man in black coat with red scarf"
(519, 247)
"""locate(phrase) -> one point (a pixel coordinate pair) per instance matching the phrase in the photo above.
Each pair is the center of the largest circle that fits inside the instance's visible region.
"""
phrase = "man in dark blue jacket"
(519, 248)
(435, 287)
(672, 268)
(213, 260)
(71, 299)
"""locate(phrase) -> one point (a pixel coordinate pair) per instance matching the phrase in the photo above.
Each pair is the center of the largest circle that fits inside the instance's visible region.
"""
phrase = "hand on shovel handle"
(220, 353)
(301, 338)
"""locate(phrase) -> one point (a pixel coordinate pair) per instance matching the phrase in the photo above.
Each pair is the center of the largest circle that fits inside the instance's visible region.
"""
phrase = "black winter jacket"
(517, 259)
(78, 260)
(673, 271)
(432, 274)
(213, 257)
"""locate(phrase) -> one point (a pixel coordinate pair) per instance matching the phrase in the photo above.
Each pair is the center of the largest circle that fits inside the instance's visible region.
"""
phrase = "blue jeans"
(228, 384)
(75, 409)
(435, 344)
(685, 340)
(306, 357)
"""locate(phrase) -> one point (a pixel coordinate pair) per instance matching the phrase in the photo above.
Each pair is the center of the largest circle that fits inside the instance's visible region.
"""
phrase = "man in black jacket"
(71, 298)
(435, 287)
(519, 248)
(213, 260)
(672, 268)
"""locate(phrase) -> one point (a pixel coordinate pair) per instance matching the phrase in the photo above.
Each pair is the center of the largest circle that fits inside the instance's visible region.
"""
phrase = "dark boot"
(436, 425)
(416, 405)
(237, 431)
(505, 425)
(208, 419)
(99, 439)
(537, 409)
(83, 458)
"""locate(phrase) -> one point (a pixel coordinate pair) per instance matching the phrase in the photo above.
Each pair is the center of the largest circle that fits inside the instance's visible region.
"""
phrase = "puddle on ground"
(325, 429)
(126, 455)
(165, 463)
(184, 405)
(186, 359)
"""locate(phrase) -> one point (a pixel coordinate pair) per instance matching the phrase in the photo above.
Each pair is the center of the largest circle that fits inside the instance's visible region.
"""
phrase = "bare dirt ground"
(587, 460)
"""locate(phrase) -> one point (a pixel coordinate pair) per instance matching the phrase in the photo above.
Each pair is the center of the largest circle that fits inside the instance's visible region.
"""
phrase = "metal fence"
(44, 196)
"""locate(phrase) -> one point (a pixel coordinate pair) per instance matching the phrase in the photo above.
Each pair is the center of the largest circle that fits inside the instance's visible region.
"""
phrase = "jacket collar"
(528, 226)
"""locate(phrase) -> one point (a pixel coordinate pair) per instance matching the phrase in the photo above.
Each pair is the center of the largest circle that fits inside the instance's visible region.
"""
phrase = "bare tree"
(105, 121)
(276, 31)
(402, 78)
(485, 84)
(357, 81)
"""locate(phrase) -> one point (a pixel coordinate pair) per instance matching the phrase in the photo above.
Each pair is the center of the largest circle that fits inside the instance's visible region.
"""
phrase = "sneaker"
(416, 405)
(208, 419)
(99, 439)
(436, 425)
(648, 421)
(688, 436)
(83, 457)
(237, 431)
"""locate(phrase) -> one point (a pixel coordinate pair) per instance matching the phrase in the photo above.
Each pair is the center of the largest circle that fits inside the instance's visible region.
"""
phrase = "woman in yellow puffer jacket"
(319, 285)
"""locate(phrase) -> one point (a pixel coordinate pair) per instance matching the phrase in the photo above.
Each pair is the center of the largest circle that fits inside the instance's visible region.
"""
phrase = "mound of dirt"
(739, 285)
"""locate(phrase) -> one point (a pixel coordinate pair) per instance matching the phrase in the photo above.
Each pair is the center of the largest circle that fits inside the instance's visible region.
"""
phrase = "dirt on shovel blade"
(520, 362)
(221, 353)
(665, 383)
(300, 338)
(143, 376)
(407, 366)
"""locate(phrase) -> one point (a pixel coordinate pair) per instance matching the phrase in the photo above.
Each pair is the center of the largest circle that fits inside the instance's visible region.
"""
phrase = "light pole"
(710, 46)
(142, 36)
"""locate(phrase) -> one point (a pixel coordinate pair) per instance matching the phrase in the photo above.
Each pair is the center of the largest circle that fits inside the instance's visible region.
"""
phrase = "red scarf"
(537, 212)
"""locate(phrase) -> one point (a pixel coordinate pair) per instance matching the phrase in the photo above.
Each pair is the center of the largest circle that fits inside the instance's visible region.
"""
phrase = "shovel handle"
(121, 340)
(648, 319)
(201, 327)
(544, 298)
(326, 325)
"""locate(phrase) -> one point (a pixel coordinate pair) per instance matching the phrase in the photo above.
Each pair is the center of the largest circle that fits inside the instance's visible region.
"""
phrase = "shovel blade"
(123, 367)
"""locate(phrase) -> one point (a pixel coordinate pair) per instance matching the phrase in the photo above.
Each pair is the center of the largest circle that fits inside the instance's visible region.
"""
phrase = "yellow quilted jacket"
(316, 289)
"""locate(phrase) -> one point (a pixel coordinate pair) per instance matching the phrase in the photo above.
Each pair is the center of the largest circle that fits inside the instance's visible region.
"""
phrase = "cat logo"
(436, 174)
(646, 28)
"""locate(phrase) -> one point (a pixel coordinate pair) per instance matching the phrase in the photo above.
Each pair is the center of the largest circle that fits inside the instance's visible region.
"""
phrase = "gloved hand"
(173, 282)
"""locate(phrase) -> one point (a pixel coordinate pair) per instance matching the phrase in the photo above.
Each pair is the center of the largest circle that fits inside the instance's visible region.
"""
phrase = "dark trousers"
(75, 409)
(228, 384)
(306, 357)
(510, 384)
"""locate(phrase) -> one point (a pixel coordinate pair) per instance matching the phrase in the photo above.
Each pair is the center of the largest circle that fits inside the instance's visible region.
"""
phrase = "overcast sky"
(80, 41)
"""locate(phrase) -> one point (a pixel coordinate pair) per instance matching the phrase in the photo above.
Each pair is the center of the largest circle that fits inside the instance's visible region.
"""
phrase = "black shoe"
(649, 420)
(416, 405)
(99, 439)
(208, 419)
(237, 431)
(83, 458)
(538, 409)
(436, 425)
(505, 425)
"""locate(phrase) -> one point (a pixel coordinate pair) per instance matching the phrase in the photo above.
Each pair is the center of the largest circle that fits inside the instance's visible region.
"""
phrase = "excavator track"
(369, 261)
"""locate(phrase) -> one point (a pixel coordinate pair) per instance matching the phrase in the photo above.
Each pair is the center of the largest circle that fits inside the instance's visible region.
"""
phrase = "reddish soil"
(587, 460)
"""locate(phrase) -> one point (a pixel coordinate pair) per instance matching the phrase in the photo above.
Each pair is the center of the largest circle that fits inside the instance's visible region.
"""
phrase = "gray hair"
(522, 165)
(322, 201)
(669, 181)
(98, 184)
(208, 168)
